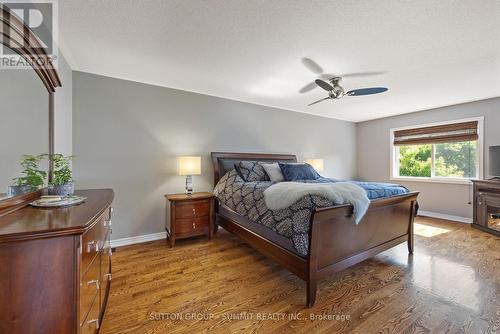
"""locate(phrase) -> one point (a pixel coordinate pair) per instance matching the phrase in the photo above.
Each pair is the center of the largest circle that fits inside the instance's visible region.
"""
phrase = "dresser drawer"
(105, 270)
(90, 286)
(91, 323)
(192, 226)
(192, 209)
(93, 240)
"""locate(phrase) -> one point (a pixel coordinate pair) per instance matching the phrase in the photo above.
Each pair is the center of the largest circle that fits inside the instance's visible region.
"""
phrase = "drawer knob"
(92, 245)
(108, 276)
(96, 321)
(107, 223)
(94, 281)
(194, 211)
(194, 225)
(110, 213)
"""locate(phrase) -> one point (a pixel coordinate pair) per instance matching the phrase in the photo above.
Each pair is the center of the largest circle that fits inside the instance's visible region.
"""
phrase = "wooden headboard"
(224, 162)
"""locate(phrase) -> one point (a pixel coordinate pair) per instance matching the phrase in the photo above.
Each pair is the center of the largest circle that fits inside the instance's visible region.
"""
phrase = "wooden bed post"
(410, 228)
(312, 262)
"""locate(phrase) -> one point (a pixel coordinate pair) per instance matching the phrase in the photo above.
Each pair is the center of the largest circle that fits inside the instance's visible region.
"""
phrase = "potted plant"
(33, 178)
(62, 181)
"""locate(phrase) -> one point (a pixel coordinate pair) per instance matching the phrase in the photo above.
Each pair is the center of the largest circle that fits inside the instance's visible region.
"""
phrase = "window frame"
(394, 154)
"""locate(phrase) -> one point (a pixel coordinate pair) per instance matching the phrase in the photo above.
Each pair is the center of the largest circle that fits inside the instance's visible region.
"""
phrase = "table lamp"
(317, 164)
(189, 166)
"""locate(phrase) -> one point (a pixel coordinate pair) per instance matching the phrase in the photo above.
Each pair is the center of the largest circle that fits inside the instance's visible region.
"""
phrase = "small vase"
(62, 189)
(19, 190)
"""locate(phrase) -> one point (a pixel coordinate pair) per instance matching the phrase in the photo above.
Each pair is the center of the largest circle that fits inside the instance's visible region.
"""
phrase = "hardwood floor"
(450, 285)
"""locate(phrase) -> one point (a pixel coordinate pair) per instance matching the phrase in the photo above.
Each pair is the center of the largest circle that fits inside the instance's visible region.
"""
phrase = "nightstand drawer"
(193, 225)
(192, 209)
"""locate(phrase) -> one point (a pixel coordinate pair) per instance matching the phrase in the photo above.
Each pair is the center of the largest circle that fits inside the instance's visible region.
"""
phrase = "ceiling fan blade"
(326, 98)
(328, 76)
(366, 91)
(310, 86)
(361, 74)
(325, 85)
(312, 66)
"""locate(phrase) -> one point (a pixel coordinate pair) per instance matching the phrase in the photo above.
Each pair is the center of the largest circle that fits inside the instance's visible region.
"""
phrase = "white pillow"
(273, 170)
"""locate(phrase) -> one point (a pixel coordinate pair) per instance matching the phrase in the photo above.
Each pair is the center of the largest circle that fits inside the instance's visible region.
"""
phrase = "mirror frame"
(15, 34)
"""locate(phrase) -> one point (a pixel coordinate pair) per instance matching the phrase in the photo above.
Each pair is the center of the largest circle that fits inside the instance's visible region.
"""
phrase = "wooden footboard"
(336, 242)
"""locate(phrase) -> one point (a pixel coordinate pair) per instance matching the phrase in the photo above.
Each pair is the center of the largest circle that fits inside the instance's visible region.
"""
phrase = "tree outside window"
(445, 160)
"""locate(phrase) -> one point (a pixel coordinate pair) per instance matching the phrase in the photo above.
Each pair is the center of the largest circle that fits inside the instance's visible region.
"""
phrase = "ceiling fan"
(315, 68)
(335, 91)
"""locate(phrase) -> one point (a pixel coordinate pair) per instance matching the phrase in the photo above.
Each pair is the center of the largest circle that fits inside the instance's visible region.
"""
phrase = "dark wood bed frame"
(335, 241)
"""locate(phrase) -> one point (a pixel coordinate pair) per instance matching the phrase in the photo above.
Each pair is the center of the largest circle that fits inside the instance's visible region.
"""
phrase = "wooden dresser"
(55, 266)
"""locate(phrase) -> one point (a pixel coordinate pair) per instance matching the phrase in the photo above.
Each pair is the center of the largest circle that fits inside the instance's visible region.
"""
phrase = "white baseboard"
(445, 216)
(138, 239)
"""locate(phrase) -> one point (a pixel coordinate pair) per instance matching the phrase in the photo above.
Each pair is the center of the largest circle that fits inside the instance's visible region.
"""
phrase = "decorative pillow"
(298, 171)
(251, 171)
(273, 170)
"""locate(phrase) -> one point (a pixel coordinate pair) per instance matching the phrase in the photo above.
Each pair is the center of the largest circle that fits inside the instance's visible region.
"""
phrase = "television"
(494, 161)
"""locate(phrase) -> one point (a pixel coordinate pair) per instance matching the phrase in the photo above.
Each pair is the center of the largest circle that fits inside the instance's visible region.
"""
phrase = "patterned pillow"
(251, 171)
(298, 171)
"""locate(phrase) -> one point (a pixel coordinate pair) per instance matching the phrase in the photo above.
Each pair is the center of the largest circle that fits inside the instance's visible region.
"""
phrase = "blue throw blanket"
(374, 190)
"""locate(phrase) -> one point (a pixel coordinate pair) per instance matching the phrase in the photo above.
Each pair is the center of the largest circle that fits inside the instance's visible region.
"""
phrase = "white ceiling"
(432, 53)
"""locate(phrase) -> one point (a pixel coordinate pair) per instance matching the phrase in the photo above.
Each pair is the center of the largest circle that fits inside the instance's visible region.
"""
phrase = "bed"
(334, 241)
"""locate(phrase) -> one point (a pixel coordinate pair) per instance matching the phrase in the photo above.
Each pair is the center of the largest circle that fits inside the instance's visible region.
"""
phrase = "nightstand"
(190, 216)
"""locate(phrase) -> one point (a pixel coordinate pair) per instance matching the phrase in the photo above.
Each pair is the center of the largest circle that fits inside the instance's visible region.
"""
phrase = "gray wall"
(126, 136)
(24, 125)
(373, 152)
(63, 106)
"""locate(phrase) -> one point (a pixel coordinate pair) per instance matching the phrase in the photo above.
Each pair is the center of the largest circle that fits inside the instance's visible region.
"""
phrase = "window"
(442, 152)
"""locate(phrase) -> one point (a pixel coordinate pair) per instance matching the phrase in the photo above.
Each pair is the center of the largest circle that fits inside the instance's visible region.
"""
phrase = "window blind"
(455, 132)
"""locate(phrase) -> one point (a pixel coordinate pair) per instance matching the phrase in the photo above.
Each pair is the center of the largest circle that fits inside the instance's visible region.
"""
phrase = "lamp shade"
(189, 165)
(317, 164)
